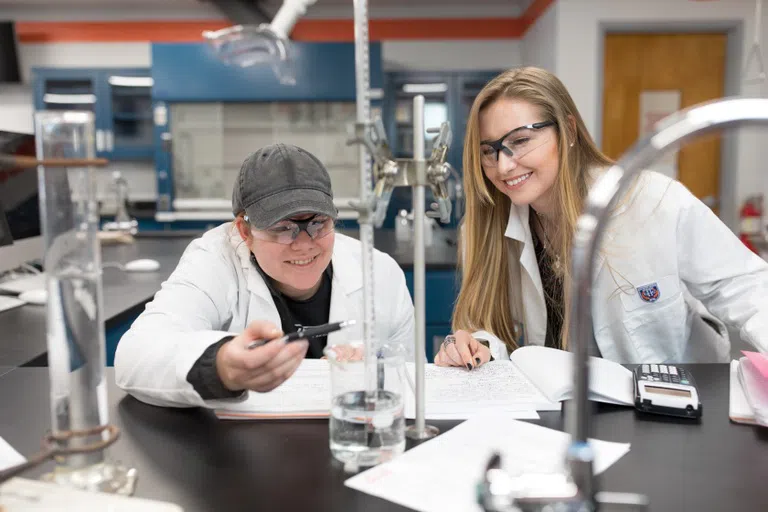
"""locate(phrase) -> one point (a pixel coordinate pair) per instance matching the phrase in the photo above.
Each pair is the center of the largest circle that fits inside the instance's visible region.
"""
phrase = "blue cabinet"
(442, 287)
(191, 72)
(121, 100)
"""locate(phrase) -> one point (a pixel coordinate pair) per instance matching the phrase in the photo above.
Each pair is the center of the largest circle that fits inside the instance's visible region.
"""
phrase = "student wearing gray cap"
(278, 266)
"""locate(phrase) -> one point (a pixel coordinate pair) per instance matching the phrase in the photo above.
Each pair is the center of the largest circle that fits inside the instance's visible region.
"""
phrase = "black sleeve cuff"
(204, 377)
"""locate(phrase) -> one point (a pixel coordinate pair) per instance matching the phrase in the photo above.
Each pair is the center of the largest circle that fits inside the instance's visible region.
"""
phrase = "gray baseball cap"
(280, 181)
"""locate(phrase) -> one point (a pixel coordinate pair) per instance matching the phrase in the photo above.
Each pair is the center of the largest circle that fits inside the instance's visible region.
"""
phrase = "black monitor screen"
(18, 189)
(10, 71)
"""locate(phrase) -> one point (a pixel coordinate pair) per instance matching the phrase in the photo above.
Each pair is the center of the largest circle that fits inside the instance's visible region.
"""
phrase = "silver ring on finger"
(449, 340)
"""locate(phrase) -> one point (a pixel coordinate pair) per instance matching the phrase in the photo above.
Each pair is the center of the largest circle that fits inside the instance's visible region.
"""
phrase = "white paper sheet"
(441, 474)
(306, 394)
(551, 370)
(459, 393)
(739, 409)
(24, 495)
(9, 456)
(451, 394)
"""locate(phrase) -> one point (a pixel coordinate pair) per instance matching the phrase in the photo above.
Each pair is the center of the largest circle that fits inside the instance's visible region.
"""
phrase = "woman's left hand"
(461, 349)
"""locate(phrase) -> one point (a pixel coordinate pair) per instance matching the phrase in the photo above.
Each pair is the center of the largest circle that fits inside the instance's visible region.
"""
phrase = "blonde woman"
(670, 275)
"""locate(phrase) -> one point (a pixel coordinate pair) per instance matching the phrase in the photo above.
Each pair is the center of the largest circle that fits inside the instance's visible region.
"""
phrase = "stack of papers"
(450, 394)
(441, 474)
(749, 389)
(533, 379)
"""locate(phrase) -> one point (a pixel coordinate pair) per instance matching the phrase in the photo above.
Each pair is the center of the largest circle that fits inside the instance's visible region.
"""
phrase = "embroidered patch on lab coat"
(649, 292)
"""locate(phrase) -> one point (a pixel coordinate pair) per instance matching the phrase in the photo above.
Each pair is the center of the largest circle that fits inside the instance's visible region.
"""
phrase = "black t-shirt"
(553, 289)
(293, 313)
(552, 282)
(297, 313)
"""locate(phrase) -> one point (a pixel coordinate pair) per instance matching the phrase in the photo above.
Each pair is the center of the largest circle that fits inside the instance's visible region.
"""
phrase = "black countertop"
(189, 457)
(125, 294)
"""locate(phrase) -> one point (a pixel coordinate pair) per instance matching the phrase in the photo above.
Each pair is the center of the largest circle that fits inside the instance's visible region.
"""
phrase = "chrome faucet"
(577, 491)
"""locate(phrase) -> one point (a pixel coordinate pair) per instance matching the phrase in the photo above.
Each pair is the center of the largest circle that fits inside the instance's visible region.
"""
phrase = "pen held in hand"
(305, 333)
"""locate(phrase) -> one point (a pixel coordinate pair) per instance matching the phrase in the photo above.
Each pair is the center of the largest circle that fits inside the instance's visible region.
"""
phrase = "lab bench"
(188, 457)
(23, 342)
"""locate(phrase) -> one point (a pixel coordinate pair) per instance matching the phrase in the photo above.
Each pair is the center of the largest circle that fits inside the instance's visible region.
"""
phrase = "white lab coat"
(216, 291)
(661, 236)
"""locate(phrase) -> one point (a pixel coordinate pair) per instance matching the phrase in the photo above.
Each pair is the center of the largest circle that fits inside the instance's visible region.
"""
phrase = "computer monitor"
(19, 204)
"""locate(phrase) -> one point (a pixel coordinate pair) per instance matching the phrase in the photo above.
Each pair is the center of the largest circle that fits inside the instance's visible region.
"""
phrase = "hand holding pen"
(304, 333)
(261, 357)
(262, 368)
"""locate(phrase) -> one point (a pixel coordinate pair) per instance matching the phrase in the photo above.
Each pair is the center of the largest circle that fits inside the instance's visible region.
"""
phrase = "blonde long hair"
(484, 301)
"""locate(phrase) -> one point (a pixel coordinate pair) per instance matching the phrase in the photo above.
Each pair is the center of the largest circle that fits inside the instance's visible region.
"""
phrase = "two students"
(670, 275)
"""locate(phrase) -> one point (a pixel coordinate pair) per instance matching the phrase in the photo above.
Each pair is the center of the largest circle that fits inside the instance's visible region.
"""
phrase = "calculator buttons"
(654, 368)
(665, 377)
(662, 368)
(646, 369)
(673, 370)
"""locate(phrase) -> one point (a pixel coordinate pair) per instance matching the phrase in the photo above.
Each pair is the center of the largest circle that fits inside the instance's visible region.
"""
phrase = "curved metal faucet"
(669, 133)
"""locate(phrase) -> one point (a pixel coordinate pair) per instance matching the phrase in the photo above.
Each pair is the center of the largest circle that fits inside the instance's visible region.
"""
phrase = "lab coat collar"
(347, 280)
(518, 229)
(347, 270)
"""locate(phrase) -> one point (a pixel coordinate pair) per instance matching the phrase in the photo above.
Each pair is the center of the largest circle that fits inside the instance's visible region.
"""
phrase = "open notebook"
(551, 371)
(534, 379)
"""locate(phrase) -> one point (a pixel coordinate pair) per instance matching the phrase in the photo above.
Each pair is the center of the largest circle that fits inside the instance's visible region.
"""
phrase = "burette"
(366, 205)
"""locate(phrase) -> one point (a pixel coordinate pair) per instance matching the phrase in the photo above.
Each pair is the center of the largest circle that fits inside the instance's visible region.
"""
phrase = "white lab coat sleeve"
(403, 323)
(719, 270)
(186, 316)
(498, 348)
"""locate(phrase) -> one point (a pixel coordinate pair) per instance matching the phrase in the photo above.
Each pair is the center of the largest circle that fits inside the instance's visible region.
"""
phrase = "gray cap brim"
(288, 203)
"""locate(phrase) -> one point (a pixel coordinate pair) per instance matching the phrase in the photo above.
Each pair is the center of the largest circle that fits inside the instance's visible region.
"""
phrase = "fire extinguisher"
(751, 216)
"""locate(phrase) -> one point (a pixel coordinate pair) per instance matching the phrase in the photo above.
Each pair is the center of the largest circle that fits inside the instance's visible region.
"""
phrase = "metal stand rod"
(419, 430)
(365, 220)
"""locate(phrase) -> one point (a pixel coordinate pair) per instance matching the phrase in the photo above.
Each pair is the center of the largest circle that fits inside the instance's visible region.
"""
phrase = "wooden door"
(691, 63)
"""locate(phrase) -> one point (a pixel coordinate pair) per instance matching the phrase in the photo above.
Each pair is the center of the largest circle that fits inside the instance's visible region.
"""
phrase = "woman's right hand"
(461, 349)
(263, 368)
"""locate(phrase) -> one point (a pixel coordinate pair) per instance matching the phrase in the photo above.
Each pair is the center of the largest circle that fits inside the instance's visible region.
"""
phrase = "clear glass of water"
(75, 311)
(366, 428)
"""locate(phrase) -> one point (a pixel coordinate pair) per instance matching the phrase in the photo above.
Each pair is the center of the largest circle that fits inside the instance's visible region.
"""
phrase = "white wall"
(539, 47)
(579, 66)
(454, 55)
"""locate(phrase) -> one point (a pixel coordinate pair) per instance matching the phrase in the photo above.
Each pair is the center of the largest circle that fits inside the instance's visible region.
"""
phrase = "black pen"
(305, 333)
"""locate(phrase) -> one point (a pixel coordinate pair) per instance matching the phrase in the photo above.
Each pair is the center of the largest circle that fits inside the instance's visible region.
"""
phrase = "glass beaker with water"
(366, 428)
(75, 311)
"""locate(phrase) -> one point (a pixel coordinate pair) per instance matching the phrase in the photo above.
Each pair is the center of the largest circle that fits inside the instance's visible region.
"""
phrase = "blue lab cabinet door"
(442, 289)
(127, 99)
(71, 89)
(191, 72)
(121, 106)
